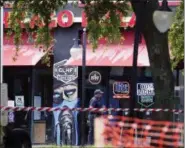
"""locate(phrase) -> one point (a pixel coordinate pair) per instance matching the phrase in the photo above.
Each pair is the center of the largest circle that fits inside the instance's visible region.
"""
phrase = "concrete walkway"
(45, 146)
(54, 146)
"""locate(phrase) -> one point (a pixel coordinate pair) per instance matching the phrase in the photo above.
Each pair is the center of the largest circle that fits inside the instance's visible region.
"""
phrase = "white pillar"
(1, 46)
(98, 131)
(2, 92)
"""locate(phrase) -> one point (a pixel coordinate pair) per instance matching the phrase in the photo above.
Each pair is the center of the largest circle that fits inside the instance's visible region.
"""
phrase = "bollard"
(98, 132)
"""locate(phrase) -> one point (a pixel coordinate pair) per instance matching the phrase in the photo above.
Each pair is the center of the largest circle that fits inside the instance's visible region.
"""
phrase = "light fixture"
(163, 17)
(147, 113)
(76, 49)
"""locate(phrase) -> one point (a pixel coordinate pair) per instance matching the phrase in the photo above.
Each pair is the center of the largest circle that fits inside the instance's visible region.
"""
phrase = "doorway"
(21, 88)
(89, 91)
(89, 94)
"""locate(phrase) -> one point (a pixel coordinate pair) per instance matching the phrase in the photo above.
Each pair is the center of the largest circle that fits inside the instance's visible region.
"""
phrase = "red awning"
(113, 55)
(27, 56)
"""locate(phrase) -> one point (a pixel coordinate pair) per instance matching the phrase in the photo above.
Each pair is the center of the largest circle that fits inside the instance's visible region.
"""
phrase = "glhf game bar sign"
(66, 18)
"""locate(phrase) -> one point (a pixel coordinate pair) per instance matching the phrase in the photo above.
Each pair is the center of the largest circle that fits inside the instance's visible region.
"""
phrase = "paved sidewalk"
(45, 146)
(54, 146)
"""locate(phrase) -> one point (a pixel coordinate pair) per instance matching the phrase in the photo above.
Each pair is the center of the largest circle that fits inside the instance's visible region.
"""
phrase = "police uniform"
(95, 103)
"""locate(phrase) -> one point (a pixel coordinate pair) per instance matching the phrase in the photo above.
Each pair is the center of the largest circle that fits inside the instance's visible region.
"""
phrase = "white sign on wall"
(19, 101)
(37, 103)
(145, 89)
(65, 73)
(94, 77)
(145, 94)
(11, 114)
(11, 103)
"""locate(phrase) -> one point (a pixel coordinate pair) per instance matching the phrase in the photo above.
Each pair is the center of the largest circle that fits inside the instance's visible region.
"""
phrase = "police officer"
(95, 102)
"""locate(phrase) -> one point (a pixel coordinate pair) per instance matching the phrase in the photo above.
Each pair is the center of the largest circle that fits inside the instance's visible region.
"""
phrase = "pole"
(32, 102)
(177, 106)
(135, 57)
(83, 85)
(1, 52)
(1, 64)
(134, 70)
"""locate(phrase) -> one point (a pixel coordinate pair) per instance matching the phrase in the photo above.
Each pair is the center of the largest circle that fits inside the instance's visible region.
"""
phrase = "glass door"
(21, 98)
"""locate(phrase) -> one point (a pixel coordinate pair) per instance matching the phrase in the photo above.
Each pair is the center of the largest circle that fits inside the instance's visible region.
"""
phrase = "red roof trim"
(113, 54)
(170, 3)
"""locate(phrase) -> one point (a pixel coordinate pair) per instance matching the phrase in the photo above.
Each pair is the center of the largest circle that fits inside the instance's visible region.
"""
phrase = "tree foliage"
(176, 36)
(22, 11)
(103, 20)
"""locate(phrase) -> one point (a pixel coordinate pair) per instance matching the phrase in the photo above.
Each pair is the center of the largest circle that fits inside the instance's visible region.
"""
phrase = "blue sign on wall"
(121, 89)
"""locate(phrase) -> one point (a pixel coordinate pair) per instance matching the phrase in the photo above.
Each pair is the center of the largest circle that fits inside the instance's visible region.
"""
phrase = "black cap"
(98, 91)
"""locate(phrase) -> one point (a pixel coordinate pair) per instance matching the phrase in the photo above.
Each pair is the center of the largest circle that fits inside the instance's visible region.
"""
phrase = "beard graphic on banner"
(65, 95)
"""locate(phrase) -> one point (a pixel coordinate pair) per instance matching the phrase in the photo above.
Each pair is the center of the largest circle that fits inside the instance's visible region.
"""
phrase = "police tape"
(52, 109)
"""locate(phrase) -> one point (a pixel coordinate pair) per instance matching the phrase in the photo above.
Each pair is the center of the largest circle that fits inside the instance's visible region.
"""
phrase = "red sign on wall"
(66, 18)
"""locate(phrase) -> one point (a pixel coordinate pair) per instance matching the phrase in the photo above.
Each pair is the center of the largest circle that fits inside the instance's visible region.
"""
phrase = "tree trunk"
(158, 51)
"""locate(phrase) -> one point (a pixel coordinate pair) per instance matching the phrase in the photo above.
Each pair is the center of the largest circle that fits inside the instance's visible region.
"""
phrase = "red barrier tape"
(51, 109)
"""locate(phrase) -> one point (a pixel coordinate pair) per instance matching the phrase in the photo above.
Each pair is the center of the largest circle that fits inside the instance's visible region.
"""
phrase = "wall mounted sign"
(125, 21)
(94, 77)
(58, 20)
(145, 94)
(121, 89)
(11, 115)
(11, 103)
(19, 101)
(64, 73)
(37, 103)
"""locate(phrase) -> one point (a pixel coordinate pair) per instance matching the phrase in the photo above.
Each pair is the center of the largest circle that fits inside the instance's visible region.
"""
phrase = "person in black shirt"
(95, 102)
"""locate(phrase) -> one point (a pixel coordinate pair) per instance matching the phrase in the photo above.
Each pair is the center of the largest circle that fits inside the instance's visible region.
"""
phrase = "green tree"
(99, 25)
(176, 36)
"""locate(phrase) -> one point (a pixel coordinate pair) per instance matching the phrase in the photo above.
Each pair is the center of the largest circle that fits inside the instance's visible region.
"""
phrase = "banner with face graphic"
(65, 95)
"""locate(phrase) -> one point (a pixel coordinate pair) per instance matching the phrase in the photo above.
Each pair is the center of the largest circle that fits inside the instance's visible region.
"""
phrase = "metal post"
(1, 50)
(1, 61)
(135, 57)
(134, 70)
(32, 101)
(177, 106)
(83, 85)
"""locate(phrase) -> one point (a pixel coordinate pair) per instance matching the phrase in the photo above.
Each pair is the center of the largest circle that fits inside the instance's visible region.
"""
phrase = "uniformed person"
(95, 102)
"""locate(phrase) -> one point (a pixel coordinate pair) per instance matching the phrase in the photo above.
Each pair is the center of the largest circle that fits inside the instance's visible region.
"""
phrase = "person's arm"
(103, 106)
(92, 104)
(104, 112)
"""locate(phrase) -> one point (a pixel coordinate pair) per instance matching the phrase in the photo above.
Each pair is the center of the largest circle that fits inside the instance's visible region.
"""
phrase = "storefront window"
(148, 72)
(117, 71)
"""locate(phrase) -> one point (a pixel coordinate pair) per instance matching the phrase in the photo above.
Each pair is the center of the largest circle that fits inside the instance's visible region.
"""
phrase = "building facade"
(109, 68)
